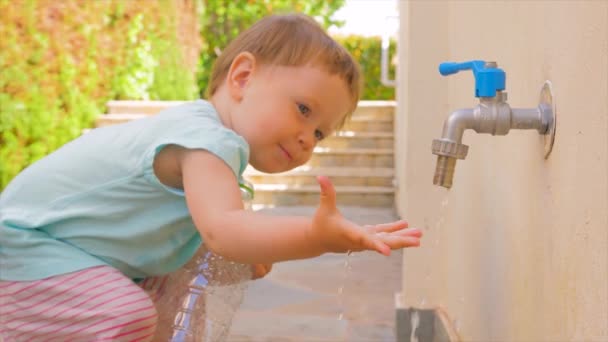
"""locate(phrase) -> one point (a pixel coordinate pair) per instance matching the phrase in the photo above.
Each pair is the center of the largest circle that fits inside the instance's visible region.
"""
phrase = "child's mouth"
(286, 153)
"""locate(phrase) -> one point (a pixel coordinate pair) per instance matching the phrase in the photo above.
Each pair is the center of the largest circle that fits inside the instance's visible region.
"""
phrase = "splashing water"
(347, 271)
(442, 211)
(415, 320)
(428, 273)
(200, 299)
(436, 232)
(341, 302)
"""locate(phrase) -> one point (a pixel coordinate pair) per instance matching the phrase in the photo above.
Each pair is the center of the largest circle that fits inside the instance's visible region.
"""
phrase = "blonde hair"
(290, 40)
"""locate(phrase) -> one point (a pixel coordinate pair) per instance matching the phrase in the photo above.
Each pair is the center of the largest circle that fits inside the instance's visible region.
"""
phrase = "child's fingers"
(387, 227)
(374, 243)
(381, 247)
(360, 239)
(328, 195)
(396, 241)
(406, 232)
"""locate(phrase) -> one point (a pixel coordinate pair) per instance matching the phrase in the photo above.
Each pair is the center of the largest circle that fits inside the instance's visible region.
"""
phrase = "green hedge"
(367, 51)
(61, 61)
(223, 20)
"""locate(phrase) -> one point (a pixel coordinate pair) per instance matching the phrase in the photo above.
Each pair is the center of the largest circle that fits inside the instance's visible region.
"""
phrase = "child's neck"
(222, 104)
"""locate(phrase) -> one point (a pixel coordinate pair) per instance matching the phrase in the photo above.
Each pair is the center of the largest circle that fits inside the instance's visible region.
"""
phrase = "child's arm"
(216, 207)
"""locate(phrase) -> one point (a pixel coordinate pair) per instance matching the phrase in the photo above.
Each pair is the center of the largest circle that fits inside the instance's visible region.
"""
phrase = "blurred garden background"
(61, 61)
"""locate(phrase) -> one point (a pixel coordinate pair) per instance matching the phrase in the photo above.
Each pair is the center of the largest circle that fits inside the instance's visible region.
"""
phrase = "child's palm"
(338, 234)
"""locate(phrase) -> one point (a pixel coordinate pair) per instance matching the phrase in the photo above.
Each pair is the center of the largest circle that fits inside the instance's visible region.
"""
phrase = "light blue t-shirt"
(96, 200)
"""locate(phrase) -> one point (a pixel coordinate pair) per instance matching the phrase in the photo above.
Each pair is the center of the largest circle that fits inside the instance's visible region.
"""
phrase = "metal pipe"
(529, 118)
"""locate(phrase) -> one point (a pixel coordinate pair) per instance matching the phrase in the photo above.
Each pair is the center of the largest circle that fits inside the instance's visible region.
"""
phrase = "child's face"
(285, 111)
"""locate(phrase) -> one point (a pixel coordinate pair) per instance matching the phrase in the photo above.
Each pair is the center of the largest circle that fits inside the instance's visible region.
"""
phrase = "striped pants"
(96, 304)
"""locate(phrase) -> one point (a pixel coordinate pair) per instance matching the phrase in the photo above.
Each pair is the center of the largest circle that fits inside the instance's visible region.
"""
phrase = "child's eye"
(303, 109)
(319, 135)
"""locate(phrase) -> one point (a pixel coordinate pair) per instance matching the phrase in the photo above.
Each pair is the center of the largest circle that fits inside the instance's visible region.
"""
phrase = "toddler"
(82, 227)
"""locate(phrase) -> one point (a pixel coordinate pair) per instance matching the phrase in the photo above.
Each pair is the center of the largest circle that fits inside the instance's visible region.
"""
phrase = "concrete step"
(375, 110)
(142, 107)
(353, 139)
(332, 152)
(115, 119)
(351, 157)
(281, 194)
(306, 175)
(363, 124)
(340, 139)
(366, 110)
(355, 124)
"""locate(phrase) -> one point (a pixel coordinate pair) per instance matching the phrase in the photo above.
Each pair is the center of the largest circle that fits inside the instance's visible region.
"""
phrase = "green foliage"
(367, 51)
(223, 20)
(171, 80)
(136, 75)
(61, 61)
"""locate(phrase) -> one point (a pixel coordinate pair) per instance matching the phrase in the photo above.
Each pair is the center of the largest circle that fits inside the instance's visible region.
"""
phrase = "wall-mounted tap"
(492, 115)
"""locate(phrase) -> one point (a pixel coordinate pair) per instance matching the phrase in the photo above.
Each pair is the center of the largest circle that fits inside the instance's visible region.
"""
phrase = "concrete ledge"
(377, 103)
(422, 325)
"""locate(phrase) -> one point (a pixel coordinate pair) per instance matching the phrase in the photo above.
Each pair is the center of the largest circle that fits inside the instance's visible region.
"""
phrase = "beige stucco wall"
(517, 250)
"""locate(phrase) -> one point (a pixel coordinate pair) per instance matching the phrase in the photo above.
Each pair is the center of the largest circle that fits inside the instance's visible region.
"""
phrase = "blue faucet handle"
(449, 68)
(487, 80)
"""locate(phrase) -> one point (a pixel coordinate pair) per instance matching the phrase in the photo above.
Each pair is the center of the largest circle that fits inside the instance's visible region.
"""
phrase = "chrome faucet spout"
(450, 147)
(455, 125)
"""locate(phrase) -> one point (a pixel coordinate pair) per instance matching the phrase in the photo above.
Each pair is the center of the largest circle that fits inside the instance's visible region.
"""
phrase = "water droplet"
(457, 325)
(423, 302)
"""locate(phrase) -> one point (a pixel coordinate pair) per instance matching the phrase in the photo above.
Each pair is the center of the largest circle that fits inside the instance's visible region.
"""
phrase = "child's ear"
(239, 74)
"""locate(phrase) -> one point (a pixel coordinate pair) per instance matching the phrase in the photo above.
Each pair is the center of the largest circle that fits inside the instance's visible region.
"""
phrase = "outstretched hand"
(338, 235)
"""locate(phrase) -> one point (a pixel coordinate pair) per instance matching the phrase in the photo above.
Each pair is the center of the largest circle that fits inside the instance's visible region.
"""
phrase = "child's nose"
(307, 140)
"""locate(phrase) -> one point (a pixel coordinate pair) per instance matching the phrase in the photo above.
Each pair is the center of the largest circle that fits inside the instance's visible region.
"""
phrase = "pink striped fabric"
(96, 304)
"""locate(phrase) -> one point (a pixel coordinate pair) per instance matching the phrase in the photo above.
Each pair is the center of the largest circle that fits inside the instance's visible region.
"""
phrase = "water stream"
(347, 272)
(435, 231)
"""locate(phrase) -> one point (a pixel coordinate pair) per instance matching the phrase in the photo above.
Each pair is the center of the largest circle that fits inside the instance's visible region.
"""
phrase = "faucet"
(492, 115)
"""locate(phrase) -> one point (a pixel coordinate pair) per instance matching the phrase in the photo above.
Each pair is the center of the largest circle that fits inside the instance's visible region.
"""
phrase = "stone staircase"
(358, 159)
